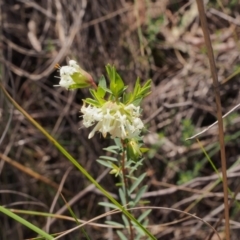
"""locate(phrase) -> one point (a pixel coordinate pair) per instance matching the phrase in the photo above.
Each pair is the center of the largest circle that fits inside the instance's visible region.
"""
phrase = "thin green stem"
(203, 19)
(125, 182)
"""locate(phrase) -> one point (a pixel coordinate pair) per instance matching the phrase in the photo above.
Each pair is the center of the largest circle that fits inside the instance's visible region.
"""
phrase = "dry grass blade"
(215, 123)
(32, 173)
(146, 208)
(202, 15)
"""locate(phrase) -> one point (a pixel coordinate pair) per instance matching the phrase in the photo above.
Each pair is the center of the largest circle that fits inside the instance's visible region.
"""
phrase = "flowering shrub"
(114, 112)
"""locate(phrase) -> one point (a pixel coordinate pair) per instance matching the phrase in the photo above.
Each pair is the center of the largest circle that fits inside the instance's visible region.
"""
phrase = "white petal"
(96, 128)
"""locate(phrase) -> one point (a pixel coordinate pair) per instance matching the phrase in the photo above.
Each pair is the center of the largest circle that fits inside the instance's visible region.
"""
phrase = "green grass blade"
(25, 223)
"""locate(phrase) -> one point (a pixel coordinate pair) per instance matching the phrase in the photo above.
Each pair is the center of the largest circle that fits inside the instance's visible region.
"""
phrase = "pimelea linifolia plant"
(115, 113)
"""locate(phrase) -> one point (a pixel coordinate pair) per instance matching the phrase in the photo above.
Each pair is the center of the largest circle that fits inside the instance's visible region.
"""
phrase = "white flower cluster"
(117, 120)
(66, 72)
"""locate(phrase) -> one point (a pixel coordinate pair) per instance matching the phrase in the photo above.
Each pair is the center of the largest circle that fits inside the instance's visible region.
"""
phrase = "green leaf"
(136, 87)
(145, 90)
(104, 163)
(139, 230)
(137, 182)
(92, 102)
(115, 224)
(107, 204)
(125, 220)
(121, 235)
(116, 83)
(102, 82)
(119, 81)
(126, 97)
(118, 142)
(144, 150)
(98, 95)
(101, 92)
(139, 194)
(110, 72)
(112, 149)
(144, 215)
(108, 158)
(25, 223)
(122, 196)
(137, 101)
(138, 93)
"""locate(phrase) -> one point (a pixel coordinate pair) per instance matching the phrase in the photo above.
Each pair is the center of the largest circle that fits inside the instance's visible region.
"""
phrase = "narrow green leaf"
(103, 85)
(144, 150)
(136, 87)
(120, 84)
(105, 163)
(144, 215)
(111, 75)
(101, 92)
(125, 220)
(137, 101)
(102, 82)
(122, 196)
(121, 235)
(112, 149)
(25, 222)
(137, 182)
(116, 83)
(108, 158)
(98, 96)
(107, 204)
(139, 194)
(92, 102)
(115, 224)
(139, 230)
(118, 142)
(126, 98)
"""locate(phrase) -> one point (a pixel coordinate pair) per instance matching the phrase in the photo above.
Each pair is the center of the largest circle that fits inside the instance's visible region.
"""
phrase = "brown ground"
(161, 40)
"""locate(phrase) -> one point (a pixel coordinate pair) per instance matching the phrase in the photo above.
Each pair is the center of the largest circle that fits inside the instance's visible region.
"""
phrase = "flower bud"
(73, 77)
(133, 150)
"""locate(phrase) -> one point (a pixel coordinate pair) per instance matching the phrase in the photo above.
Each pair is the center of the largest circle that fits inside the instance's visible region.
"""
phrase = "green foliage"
(116, 83)
(134, 191)
(153, 28)
(188, 130)
(233, 3)
(50, 46)
(138, 93)
(117, 91)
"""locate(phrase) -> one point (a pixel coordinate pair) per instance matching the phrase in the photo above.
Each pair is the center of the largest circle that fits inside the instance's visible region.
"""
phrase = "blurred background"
(160, 40)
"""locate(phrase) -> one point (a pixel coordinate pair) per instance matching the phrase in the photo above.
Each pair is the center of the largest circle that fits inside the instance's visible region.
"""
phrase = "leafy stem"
(125, 187)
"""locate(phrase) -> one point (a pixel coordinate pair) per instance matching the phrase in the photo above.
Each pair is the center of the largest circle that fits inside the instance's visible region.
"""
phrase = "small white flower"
(72, 76)
(117, 120)
(73, 64)
(66, 72)
(91, 115)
